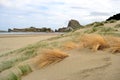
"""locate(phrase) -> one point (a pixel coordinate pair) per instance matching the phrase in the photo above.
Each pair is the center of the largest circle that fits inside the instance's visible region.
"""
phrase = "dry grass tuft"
(115, 48)
(93, 41)
(112, 40)
(50, 56)
(114, 43)
(70, 45)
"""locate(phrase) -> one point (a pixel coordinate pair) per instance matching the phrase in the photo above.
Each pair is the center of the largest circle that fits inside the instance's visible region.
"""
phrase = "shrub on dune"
(50, 56)
(93, 41)
(69, 45)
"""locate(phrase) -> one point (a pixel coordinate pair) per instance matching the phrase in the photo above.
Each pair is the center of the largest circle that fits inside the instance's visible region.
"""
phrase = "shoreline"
(31, 33)
(16, 41)
(27, 34)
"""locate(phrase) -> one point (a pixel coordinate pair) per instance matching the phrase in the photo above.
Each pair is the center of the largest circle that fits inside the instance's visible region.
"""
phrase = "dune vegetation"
(69, 45)
(94, 42)
(95, 36)
(50, 56)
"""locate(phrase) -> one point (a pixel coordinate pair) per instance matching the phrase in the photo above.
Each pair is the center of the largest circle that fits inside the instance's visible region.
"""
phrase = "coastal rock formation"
(31, 29)
(114, 17)
(72, 25)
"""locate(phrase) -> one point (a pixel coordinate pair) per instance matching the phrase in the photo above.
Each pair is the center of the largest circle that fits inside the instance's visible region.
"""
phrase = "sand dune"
(81, 65)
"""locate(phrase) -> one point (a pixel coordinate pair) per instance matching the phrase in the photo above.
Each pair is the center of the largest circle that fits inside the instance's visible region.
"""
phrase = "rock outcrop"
(72, 25)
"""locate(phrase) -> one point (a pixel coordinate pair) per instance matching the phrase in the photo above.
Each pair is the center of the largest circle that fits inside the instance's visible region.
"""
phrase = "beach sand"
(81, 65)
(16, 41)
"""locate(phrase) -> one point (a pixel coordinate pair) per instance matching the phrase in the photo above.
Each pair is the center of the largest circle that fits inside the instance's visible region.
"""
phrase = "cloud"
(77, 7)
(99, 14)
(54, 13)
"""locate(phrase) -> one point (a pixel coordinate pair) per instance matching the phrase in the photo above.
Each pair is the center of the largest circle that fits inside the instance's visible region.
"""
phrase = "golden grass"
(112, 40)
(115, 48)
(69, 45)
(93, 41)
(50, 56)
(114, 43)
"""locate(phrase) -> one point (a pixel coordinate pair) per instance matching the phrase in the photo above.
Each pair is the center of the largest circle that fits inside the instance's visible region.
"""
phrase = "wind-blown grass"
(69, 45)
(98, 42)
(93, 41)
(115, 48)
(114, 43)
(50, 56)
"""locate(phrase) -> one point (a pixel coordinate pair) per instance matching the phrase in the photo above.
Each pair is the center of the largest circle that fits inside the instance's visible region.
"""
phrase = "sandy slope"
(81, 65)
(12, 42)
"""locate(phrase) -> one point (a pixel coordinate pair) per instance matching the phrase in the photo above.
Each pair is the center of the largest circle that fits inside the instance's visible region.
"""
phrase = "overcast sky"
(54, 13)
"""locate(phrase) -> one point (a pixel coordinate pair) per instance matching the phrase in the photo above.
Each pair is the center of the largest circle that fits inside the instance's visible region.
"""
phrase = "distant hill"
(114, 17)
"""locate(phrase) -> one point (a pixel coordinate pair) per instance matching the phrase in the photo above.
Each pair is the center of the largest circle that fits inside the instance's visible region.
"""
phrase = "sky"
(54, 13)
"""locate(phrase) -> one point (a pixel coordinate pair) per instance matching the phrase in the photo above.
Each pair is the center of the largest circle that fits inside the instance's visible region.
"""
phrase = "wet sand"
(15, 41)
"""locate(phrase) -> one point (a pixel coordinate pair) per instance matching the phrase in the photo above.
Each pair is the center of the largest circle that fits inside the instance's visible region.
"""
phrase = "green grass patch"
(25, 69)
(92, 30)
(112, 21)
(96, 24)
(5, 65)
(10, 76)
(13, 76)
(12, 62)
(30, 52)
(117, 26)
(21, 70)
(107, 29)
